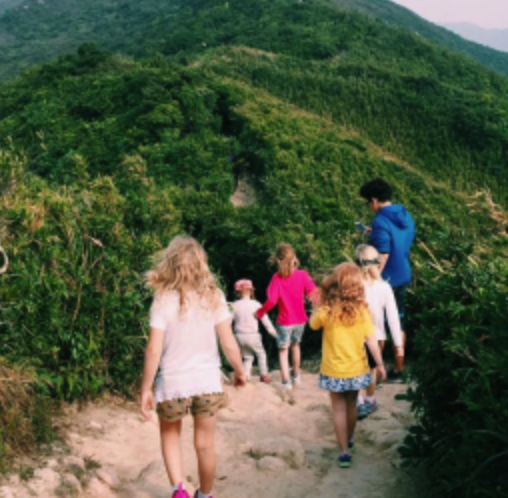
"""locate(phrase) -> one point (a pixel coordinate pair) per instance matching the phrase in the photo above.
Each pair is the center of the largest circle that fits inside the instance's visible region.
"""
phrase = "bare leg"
(172, 450)
(204, 443)
(352, 412)
(284, 364)
(399, 360)
(296, 357)
(340, 419)
(371, 390)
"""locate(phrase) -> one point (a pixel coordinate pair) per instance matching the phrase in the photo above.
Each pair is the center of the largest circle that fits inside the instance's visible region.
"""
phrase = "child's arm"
(372, 344)
(231, 350)
(311, 290)
(272, 298)
(152, 359)
(269, 326)
(392, 313)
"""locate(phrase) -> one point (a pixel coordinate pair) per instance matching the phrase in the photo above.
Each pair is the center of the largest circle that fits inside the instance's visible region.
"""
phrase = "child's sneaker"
(297, 380)
(345, 460)
(265, 379)
(180, 493)
(371, 406)
(196, 494)
(363, 411)
(287, 385)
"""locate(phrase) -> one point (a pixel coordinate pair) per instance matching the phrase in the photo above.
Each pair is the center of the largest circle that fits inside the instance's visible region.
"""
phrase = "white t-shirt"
(381, 301)
(245, 321)
(190, 361)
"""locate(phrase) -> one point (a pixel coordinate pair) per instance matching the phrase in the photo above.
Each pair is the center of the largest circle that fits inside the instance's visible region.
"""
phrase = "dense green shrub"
(25, 414)
(461, 390)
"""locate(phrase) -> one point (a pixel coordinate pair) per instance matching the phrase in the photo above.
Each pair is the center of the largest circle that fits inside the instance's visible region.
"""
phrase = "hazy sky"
(485, 13)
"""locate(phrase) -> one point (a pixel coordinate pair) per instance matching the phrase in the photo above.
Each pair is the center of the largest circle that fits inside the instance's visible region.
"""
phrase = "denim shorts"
(289, 334)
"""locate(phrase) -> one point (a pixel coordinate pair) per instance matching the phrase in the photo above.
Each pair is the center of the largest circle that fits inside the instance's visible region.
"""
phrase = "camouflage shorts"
(205, 405)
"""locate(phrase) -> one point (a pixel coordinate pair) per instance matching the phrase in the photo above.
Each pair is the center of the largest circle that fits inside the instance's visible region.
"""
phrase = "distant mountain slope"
(493, 38)
(441, 112)
(8, 4)
(35, 32)
(405, 18)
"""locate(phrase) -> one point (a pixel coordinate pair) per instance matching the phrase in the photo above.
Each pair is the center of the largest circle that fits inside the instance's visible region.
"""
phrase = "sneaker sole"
(344, 465)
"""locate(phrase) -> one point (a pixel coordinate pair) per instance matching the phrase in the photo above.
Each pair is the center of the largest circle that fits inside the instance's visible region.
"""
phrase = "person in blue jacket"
(392, 234)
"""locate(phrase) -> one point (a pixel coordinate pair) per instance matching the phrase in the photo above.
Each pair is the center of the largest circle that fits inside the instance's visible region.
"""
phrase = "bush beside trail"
(461, 382)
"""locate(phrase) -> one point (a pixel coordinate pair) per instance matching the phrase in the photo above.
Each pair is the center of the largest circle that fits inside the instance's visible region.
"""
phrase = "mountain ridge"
(46, 30)
(493, 38)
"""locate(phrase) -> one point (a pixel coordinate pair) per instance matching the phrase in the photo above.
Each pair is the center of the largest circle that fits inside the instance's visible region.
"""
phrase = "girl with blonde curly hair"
(189, 313)
(347, 325)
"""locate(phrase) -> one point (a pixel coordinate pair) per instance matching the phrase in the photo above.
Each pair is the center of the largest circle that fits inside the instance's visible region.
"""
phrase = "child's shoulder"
(166, 295)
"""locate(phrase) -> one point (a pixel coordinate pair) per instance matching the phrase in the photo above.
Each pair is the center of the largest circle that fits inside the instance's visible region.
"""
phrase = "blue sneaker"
(345, 460)
(363, 411)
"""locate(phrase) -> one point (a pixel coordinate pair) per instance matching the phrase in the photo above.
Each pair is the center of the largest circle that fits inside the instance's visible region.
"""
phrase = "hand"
(239, 379)
(147, 404)
(381, 372)
(399, 351)
(256, 315)
(367, 230)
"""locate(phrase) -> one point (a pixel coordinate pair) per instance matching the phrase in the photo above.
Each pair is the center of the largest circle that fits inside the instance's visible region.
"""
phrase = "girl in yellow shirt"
(347, 325)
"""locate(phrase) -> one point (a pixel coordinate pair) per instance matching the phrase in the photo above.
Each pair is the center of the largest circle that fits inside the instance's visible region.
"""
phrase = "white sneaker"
(287, 386)
(297, 380)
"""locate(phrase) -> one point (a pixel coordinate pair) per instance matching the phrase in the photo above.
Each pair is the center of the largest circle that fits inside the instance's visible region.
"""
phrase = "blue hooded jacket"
(393, 233)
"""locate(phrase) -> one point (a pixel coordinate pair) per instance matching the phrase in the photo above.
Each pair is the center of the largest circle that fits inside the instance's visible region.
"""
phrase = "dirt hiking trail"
(270, 445)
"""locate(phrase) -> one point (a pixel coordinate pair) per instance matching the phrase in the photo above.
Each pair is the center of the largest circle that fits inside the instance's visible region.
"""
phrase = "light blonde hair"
(285, 258)
(344, 293)
(183, 267)
(365, 255)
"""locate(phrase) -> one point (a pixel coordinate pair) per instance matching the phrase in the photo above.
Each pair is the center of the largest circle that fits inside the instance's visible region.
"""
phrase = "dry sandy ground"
(270, 445)
(260, 422)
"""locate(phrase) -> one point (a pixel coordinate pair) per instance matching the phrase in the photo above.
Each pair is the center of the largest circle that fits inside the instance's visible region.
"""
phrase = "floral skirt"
(336, 385)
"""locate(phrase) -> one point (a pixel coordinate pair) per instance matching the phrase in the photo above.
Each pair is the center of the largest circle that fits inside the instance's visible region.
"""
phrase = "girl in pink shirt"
(287, 290)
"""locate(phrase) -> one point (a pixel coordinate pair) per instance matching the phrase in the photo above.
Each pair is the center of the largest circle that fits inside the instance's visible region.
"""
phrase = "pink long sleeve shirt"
(289, 294)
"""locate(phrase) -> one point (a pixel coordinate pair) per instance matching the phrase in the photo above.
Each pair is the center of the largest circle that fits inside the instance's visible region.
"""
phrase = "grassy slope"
(441, 128)
(404, 18)
(441, 112)
(46, 30)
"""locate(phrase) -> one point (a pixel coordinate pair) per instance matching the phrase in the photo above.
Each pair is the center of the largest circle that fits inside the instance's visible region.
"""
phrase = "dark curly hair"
(377, 189)
(344, 293)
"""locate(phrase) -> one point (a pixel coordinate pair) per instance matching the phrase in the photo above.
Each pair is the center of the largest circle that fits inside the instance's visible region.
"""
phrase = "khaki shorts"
(205, 405)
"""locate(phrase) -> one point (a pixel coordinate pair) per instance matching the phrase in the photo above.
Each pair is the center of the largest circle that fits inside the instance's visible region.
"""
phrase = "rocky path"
(270, 445)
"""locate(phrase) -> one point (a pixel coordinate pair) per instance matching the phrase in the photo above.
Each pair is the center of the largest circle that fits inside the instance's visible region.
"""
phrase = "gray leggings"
(251, 345)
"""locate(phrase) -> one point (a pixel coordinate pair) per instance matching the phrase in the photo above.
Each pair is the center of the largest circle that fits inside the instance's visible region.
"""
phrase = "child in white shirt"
(189, 313)
(381, 300)
(246, 329)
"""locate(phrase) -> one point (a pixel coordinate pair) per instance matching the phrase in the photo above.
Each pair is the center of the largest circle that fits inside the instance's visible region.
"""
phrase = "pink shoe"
(180, 493)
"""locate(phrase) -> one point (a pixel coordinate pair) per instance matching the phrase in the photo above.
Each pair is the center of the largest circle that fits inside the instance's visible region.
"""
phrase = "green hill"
(35, 32)
(440, 112)
(104, 158)
(397, 15)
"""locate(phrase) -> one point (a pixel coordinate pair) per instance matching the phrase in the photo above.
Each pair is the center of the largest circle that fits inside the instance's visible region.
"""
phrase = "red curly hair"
(344, 293)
